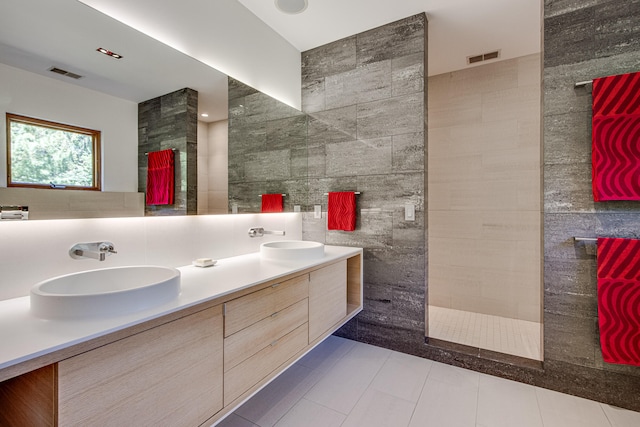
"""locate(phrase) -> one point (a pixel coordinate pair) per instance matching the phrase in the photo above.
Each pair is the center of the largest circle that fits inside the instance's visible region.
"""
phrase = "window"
(45, 154)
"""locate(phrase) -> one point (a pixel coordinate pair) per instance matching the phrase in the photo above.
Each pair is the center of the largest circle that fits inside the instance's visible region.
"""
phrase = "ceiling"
(457, 29)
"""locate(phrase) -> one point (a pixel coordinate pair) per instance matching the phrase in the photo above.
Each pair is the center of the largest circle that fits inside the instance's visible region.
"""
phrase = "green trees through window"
(52, 155)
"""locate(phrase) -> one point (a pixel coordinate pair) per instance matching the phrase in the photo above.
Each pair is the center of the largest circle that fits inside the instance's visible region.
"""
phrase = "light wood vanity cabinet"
(190, 368)
(169, 375)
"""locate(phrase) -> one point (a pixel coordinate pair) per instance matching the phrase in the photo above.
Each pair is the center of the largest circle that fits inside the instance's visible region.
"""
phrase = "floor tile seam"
(300, 397)
(422, 390)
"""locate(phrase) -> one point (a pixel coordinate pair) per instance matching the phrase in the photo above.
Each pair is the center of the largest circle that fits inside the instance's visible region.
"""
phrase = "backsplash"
(36, 250)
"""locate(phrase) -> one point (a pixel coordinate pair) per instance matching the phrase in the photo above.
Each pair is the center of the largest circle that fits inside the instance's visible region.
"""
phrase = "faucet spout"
(94, 250)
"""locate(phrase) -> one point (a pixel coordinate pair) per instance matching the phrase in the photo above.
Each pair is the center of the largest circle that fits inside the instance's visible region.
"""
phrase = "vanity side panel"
(169, 375)
(327, 298)
(30, 399)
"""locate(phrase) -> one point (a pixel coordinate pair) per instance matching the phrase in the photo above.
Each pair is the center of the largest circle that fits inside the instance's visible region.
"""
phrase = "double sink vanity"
(179, 347)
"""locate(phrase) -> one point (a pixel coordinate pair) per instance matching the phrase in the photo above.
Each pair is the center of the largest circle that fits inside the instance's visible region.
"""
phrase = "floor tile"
(379, 409)
(344, 384)
(449, 398)
(234, 420)
(309, 414)
(621, 417)
(276, 399)
(562, 410)
(327, 353)
(503, 403)
(403, 376)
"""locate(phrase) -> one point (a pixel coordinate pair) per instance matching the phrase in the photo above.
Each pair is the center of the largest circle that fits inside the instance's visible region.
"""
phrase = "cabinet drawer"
(254, 338)
(242, 377)
(249, 309)
(327, 298)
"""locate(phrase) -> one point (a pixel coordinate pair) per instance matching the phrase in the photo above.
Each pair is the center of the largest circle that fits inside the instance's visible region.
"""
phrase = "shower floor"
(501, 334)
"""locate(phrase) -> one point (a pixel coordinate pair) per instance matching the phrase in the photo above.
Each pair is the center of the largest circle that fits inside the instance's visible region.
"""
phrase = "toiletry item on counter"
(204, 262)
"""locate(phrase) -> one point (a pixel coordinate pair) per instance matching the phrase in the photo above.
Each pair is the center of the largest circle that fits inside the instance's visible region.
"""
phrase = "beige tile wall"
(484, 175)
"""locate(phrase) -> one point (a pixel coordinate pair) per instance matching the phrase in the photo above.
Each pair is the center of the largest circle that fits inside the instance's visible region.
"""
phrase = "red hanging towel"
(272, 203)
(160, 178)
(341, 211)
(615, 152)
(619, 300)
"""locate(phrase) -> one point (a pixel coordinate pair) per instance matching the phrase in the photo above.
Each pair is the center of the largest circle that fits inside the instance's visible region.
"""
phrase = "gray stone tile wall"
(582, 40)
(365, 99)
(268, 150)
(171, 121)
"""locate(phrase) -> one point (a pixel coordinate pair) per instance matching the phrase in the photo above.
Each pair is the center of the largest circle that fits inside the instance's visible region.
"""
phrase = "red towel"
(160, 178)
(619, 300)
(615, 152)
(272, 203)
(341, 211)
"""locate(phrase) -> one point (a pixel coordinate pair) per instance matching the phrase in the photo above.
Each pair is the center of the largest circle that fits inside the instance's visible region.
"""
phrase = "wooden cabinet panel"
(30, 399)
(245, 375)
(249, 309)
(327, 298)
(169, 375)
(250, 340)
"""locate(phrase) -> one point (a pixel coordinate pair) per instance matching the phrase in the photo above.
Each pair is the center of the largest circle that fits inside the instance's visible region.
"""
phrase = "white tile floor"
(346, 383)
(510, 336)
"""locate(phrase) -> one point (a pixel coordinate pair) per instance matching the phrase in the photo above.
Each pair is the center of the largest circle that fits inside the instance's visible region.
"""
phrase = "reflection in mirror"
(267, 150)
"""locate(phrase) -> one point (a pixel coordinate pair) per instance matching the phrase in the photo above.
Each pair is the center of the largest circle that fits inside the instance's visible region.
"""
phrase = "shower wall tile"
(365, 98)
(569, 38)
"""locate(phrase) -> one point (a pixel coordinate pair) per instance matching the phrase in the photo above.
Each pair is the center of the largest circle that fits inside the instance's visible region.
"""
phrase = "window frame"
(95, 138)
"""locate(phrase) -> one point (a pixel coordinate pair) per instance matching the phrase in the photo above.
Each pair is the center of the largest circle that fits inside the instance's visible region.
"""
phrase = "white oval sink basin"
(291, 250)
(104, 292)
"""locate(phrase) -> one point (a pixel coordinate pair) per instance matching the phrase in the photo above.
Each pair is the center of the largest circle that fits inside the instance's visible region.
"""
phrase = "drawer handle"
(275, 314)
(275, 285)
(273, 344)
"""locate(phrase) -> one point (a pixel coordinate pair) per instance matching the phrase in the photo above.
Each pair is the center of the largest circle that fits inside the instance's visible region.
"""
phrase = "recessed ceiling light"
(292, 7)
(204, 115)
(109, 53)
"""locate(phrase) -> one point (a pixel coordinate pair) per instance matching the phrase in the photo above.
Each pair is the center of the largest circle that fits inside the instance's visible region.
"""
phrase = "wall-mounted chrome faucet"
(94, 250)
(259, 232)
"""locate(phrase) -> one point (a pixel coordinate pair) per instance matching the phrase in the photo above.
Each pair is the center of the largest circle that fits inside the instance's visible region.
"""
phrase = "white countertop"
(24, 336)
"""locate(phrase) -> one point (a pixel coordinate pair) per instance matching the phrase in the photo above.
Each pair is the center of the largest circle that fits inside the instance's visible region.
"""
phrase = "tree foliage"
(41, 155)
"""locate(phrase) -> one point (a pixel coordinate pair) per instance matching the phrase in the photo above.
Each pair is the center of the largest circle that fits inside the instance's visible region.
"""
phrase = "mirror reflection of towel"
(272, 203)
(615, 134)
(341, 211)
(619, 300)
(160, 178)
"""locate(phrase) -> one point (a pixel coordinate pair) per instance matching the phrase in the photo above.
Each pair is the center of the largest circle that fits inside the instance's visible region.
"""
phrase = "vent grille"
(483, 57)
(65, 73)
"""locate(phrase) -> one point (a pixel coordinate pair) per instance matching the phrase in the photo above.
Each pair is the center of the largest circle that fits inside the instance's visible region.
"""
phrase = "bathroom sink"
(104, 292)
(291, 250)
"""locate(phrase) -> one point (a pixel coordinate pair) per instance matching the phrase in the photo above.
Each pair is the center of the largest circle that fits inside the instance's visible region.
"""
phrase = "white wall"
(33, 251)
(29, 94)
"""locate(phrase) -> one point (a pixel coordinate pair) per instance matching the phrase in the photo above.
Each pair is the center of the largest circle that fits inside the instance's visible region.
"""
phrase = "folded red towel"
(160, 178)
(615, 133)
(619, 300)
(341, 211)
(272, 203)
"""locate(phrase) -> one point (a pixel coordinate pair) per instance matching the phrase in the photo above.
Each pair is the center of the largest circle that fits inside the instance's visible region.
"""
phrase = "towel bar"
(355, 192)
(283, 195)
(585, 239)
(584, 83)
(146, 153)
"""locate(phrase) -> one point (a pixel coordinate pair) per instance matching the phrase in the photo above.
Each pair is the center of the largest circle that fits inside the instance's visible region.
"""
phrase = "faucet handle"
(107, 247)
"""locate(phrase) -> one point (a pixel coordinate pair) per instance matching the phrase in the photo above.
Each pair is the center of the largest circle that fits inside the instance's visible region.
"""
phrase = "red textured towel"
(341, 211)
(615, 153)
(272, 203)
(160, 178)
(619, 300)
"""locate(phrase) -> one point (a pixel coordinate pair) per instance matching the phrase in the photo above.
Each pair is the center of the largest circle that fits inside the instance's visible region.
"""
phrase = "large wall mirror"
(248, 145)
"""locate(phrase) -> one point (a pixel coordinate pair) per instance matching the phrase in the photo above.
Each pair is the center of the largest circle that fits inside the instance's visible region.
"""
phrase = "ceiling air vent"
(483, 57)
(65, 73)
